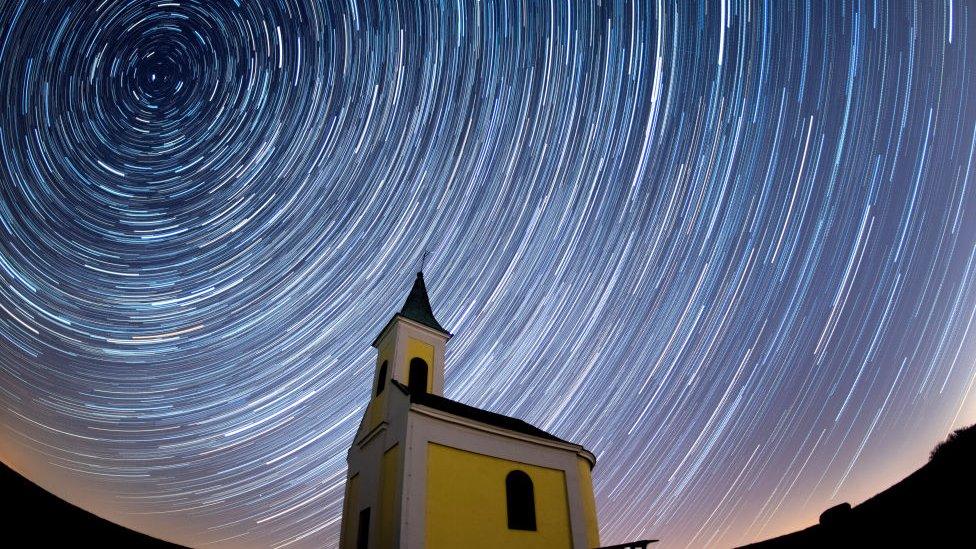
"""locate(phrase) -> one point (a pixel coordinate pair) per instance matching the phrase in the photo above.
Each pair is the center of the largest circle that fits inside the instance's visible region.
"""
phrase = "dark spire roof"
(417, 306)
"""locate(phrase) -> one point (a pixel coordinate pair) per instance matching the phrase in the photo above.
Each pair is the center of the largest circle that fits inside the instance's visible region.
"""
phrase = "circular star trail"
(727, 246)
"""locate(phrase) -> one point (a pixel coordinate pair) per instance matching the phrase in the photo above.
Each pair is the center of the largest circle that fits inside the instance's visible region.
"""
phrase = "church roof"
(456, 408)
(417, 306)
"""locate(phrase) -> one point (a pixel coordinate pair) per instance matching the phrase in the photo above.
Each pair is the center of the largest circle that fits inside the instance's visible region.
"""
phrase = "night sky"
(729, 247)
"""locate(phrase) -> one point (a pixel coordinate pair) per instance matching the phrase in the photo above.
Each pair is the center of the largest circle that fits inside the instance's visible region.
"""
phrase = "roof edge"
(517, 426)
(555, 442)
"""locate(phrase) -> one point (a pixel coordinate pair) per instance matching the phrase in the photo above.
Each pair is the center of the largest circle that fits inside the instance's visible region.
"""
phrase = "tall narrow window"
(362, 537)
(381, 380)
(521, 501)
(418, 376)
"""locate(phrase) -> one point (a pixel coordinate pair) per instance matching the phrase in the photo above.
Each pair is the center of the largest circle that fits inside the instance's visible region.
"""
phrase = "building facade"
(426, 471)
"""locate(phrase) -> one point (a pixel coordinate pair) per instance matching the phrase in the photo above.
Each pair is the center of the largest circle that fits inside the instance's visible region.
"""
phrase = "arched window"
(418, 376)
(381, 380)
(521, 501)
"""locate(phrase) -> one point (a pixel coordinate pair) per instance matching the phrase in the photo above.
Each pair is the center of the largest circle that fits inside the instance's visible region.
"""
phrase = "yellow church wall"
(466, 504)
(375, 411)
(417, 348)
(349, 513)
(589, 503)
(389, 497)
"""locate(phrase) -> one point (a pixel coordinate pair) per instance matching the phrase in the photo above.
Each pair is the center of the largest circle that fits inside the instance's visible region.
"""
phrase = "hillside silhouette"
(32, 513)
(934, 506)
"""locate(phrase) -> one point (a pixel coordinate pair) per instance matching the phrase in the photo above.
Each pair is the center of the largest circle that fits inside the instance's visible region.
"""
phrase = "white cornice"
(413, 324)
(373, 433)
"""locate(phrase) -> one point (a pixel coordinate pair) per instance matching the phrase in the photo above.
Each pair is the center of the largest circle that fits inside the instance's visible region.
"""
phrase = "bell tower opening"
(418, 376)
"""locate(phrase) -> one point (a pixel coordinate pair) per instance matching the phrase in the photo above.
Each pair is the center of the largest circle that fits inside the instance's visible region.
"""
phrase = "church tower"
(429, 472)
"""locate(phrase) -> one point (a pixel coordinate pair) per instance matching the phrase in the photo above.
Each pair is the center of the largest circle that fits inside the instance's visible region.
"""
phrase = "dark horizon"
(29, 506)
(932, 507)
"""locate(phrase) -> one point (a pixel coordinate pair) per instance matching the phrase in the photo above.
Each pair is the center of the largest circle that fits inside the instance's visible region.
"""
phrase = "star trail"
(729, 246)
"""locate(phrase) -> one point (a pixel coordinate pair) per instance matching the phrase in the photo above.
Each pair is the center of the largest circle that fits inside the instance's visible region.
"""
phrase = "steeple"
(417, 306)
(411, 346)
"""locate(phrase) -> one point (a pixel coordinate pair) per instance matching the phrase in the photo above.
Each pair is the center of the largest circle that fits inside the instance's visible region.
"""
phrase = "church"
(429, 472)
